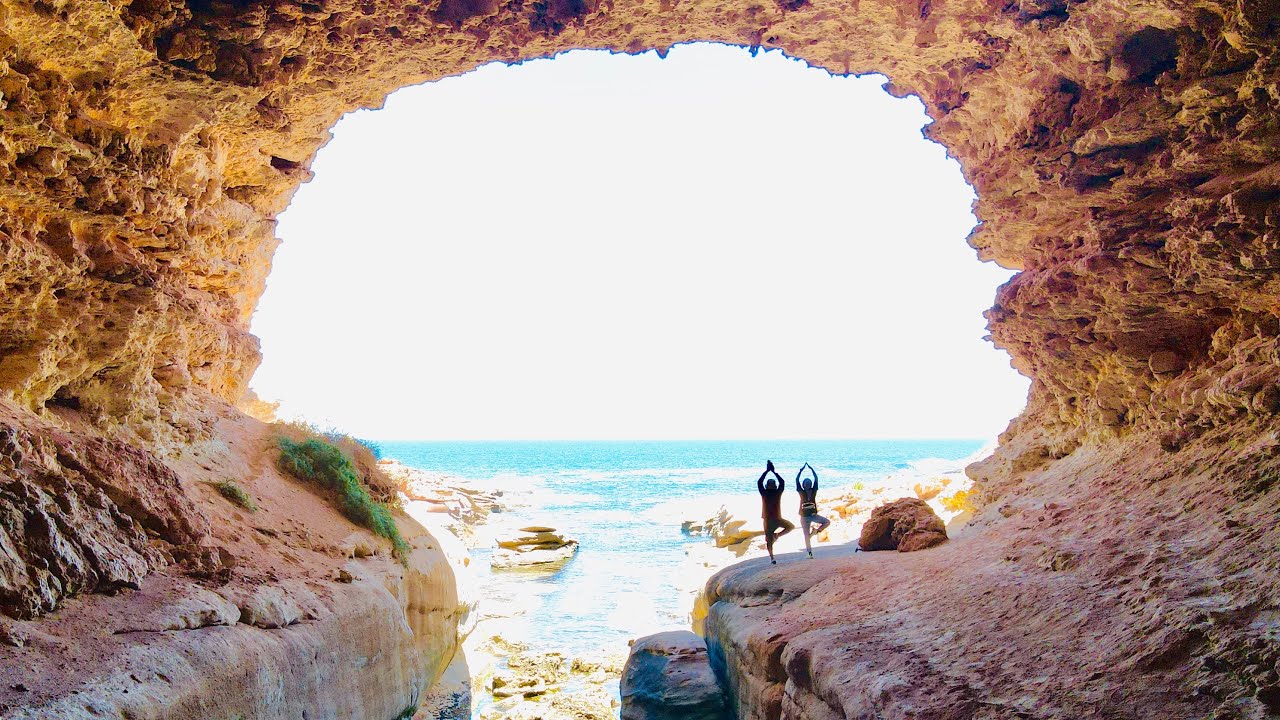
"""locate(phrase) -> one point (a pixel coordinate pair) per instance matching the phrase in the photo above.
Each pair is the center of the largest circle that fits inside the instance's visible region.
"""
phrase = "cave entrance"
(718, 245)
(602, 245)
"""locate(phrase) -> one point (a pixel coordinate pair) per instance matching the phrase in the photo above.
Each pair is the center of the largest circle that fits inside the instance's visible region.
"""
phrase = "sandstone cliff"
(202, 608)
(1120, 582)
(1125, 156)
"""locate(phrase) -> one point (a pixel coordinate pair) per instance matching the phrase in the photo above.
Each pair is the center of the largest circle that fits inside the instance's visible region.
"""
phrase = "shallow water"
(624, 502)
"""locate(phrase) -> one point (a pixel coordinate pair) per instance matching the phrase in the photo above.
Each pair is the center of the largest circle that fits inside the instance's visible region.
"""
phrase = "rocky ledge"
(1048, 606)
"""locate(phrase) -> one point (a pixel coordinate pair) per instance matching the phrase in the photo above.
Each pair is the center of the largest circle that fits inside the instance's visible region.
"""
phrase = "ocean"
(623, 502)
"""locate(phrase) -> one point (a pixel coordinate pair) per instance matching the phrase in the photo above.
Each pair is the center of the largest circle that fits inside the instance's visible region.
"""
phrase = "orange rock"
(905, 525)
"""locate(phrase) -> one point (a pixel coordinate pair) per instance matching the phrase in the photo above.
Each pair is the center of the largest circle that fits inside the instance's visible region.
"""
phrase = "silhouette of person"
(771, 507)
(808, 489)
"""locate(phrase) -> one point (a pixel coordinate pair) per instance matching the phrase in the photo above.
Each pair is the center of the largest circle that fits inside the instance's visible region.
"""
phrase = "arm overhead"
(815, 476)
(760, 482)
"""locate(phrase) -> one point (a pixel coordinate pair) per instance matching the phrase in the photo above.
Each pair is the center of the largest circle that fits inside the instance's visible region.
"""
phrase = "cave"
(1123, 561)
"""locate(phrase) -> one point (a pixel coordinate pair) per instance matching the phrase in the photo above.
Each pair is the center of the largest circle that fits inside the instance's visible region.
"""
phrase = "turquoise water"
(623, 501)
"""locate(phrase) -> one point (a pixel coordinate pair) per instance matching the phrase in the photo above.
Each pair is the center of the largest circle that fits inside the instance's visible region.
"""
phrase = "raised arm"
(760, 482)
(800, 474)
(815, 476)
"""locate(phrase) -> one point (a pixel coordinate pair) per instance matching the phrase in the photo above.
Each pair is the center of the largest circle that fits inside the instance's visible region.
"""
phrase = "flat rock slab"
(668, 677)
(538, 558)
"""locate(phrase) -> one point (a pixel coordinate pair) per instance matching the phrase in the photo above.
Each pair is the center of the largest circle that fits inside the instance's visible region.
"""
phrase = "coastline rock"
(591, 703)
(533, 547)
(905, 525)
(668, 676)
(467, 507)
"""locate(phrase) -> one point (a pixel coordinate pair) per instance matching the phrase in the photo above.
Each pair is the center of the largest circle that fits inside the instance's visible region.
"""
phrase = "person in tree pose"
(807, 486)
(771, 507)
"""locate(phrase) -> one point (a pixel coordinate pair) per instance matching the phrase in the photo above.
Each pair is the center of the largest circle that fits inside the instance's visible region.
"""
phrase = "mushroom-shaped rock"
(534, 546)
(905, 525)
(668, 676)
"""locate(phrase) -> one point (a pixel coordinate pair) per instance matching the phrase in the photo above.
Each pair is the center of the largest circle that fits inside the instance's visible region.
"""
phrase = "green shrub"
(320, 462)
(236, 494)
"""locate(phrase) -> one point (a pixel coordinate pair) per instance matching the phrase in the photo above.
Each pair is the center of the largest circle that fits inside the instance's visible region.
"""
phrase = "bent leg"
(825, 523)
(786, 525)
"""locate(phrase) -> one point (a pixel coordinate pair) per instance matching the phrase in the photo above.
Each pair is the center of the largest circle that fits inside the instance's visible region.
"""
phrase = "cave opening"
(574, 247)
(1122, 557)
(596, 275)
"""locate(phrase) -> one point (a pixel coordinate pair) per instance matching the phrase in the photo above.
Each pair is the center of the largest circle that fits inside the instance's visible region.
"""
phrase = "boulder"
(905, 525)
(668, 676)
(533, 547)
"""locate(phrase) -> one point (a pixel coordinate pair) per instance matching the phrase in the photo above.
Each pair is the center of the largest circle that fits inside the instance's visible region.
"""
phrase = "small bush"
(321, 462)
(363, 454)
(859, 486)
(236, 494)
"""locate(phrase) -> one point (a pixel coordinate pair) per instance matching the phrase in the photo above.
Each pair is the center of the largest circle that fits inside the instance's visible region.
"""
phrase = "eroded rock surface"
(1125, 156)
(1048, 606)
(534, 547)
(905, 525)
(236, 613)
(668, 677)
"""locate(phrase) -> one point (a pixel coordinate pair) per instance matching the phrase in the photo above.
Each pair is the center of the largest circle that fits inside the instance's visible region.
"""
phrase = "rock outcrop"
(1125, 159)
(668, 677)
(905, 525)
(1160, 612)
(230, 613)
(535, 547)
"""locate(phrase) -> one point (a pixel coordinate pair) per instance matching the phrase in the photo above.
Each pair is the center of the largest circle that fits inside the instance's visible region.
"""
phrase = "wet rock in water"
(668, 676)
(590, 704)
(533, 547)
(904, 525)
(610, 665)
(530, 674)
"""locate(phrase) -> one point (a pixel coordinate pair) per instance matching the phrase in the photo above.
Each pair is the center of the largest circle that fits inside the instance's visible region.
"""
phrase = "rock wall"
(1125, 155)
(133, 588)
(1119, 582)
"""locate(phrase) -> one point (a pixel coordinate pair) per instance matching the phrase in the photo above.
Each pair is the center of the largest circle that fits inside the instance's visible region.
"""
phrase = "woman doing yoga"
(807, 486)
(771, 507)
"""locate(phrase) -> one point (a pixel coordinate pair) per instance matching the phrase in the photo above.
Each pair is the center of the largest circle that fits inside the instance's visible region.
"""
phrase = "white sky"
(607, 246)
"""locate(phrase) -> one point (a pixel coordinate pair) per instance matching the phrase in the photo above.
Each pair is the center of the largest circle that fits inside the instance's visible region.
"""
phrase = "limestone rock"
(668, 677)
(905, 525)
(275, 606)
(196, 608)
(530, 674)
(1124, 157)
(534, 547)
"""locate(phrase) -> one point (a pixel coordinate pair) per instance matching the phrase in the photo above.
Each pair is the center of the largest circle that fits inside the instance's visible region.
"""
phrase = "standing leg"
(804, 528)
(769, 528)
